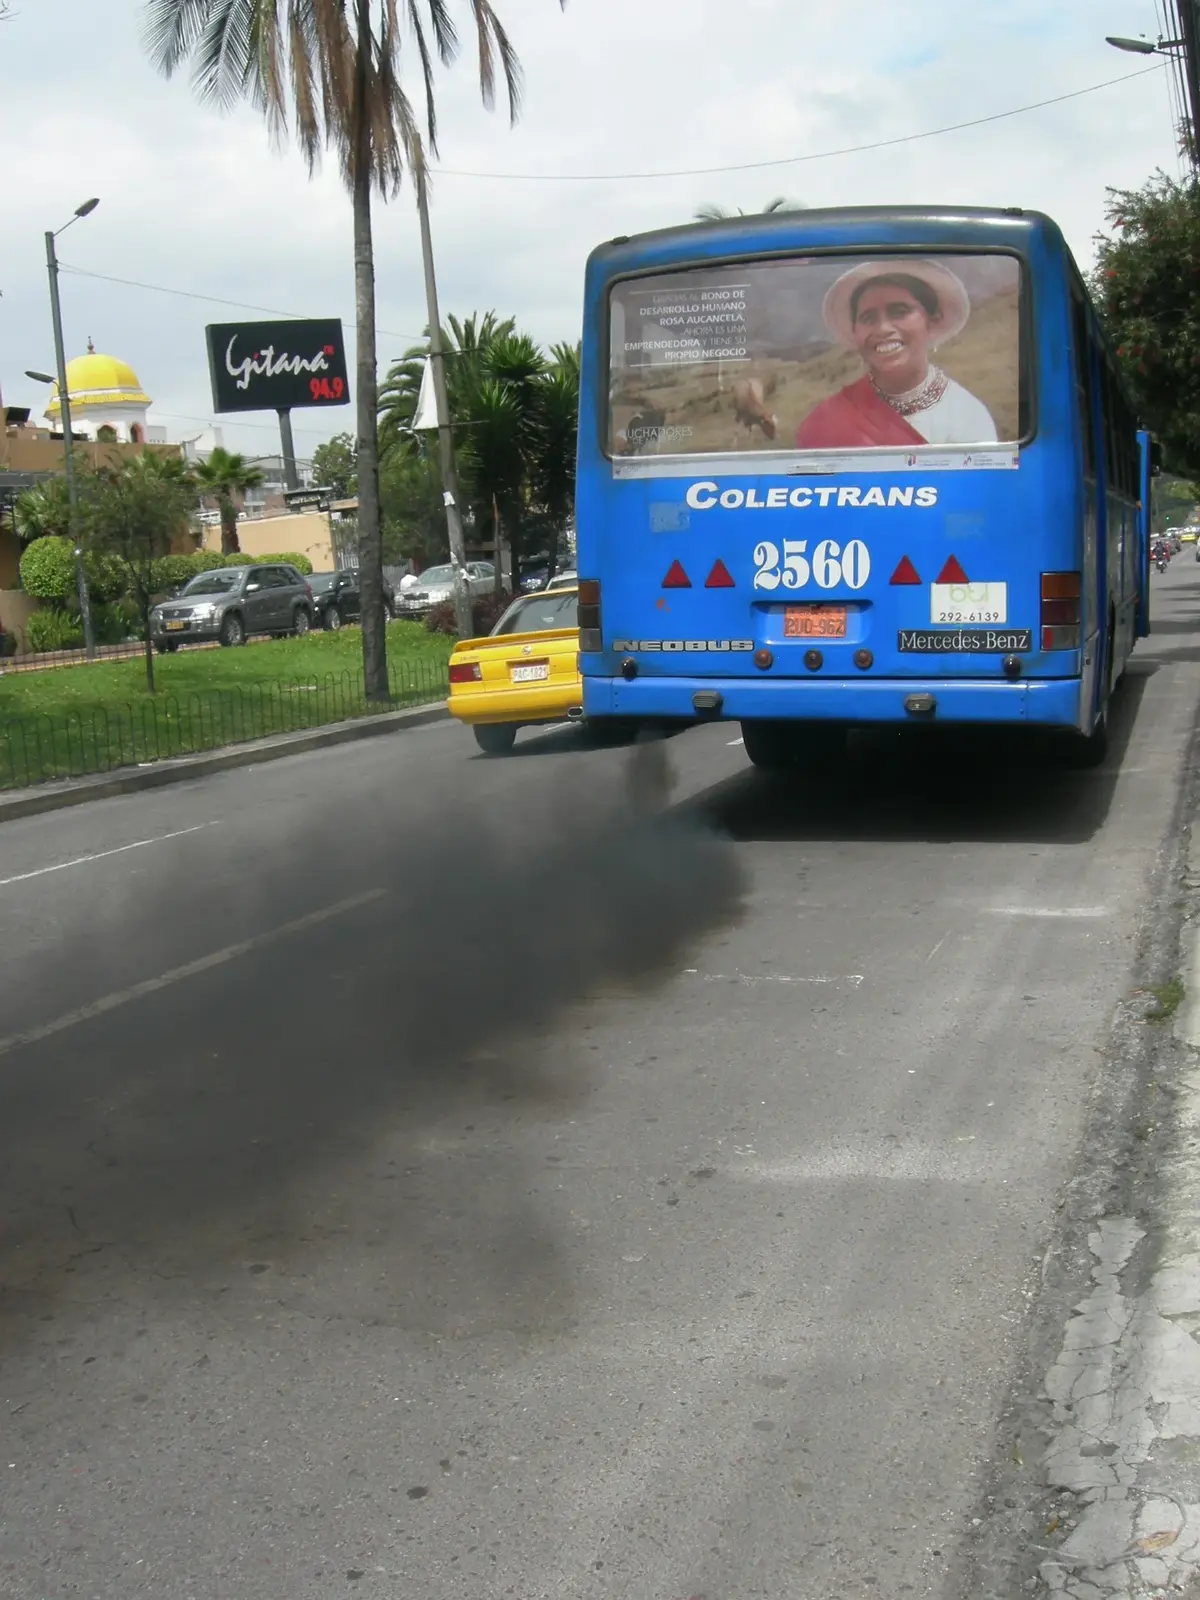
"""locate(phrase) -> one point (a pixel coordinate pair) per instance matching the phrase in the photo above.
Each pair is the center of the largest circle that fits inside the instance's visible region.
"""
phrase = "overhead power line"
(790, 161)
(216, 299)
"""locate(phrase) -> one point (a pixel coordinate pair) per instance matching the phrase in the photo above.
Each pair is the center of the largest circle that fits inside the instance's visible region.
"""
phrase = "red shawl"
(855, 417)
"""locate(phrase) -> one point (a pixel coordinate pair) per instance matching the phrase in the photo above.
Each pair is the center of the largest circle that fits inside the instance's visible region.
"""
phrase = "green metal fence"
(102, 738)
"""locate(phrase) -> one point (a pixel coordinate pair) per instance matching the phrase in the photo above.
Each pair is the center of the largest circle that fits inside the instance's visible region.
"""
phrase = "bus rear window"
(821, 353)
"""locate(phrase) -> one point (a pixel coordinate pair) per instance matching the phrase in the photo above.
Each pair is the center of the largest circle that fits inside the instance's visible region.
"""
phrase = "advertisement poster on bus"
(820, 356)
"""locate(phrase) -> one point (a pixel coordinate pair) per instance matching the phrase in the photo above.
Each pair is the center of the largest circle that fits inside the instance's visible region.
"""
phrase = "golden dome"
(96, 380)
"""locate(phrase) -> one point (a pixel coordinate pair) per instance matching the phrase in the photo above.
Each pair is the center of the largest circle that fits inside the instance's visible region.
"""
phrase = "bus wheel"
(772, 746)
(608, 730)
(1084, 750)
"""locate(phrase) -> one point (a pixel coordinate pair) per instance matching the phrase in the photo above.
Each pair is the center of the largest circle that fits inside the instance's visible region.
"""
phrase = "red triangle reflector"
(952, 572)
(719, 577)
(676, 578)
(905, 572)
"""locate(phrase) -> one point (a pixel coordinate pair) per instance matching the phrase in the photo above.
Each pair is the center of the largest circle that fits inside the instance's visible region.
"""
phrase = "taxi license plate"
(174, 627)
(814, 622)
(533, 673)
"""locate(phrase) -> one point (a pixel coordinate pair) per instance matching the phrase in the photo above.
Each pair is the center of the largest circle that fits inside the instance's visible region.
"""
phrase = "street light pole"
(64, 398)
(1186, 50)
(437, 361)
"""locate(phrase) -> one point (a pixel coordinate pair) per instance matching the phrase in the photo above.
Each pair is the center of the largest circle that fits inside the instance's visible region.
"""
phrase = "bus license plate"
(814, 622)
(531, 674)
(959, 603)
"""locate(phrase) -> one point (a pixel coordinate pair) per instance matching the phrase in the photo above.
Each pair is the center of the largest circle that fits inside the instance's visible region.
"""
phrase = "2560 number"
(830, 565)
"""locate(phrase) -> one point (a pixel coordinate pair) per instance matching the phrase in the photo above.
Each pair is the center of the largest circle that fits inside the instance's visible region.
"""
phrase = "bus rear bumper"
(1054, 702)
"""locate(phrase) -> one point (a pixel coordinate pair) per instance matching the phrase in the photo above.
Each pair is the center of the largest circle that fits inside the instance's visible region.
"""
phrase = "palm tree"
(333, 66)
(466, 345)
(223, 476)
(555, 430)
(42, 510)
(719, 213)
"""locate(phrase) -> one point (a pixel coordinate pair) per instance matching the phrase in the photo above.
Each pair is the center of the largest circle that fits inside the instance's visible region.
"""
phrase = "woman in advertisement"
(894, 314)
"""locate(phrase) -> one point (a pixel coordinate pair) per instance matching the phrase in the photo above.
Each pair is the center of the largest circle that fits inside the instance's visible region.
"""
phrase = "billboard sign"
(817, 354)
(277, 366)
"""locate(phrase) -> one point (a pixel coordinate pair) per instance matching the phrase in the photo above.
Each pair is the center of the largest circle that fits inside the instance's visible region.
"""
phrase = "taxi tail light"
(590, 641)
(1062, 610)
(465, 672)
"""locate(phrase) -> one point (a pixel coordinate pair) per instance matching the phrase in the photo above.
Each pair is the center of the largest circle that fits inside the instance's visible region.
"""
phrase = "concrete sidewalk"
(155, 774)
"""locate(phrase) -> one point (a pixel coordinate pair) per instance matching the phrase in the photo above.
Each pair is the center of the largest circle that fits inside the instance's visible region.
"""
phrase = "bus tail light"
(1062, 614)
(465, 672)
(590, 640)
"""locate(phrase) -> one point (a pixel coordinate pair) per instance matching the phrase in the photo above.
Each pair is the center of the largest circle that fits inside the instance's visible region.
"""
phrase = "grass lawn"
(67, 721)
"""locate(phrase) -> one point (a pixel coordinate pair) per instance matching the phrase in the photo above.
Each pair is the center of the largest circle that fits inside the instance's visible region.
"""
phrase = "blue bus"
(855, 466)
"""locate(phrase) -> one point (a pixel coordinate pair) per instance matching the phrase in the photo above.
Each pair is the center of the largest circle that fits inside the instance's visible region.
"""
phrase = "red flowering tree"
(1146, 286)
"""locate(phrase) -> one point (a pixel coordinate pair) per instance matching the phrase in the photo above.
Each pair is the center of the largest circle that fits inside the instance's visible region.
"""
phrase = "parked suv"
(337, 597)
(231, 603)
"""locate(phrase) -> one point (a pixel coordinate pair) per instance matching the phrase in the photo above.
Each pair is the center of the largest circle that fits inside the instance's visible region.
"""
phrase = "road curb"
(129, 780)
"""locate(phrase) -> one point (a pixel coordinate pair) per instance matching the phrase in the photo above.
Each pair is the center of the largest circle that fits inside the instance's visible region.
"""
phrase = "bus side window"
(1083, 388)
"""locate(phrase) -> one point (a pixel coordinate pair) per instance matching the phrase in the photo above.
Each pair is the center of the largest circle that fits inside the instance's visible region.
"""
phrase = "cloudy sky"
(200, 204)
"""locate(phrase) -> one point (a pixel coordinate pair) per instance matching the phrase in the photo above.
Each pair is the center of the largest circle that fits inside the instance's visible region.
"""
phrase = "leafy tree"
(334, 67)
(132, 512)
(335, 466)
(719, 213)
(1146, 286)
(225, 477)
(414, 517)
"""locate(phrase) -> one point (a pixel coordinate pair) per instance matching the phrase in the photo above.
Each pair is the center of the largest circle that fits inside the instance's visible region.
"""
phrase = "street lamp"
(85, 610)
(1143, 47)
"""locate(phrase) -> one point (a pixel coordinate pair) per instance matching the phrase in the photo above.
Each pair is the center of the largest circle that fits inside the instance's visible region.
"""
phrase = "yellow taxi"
(1187, 535)
(526, 671)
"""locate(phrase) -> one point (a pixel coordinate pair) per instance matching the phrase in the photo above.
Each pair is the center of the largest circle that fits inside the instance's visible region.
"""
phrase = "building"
(108, 404)
(109, 411)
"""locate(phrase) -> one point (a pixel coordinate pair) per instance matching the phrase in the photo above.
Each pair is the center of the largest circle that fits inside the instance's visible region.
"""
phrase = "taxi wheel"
(495, 738)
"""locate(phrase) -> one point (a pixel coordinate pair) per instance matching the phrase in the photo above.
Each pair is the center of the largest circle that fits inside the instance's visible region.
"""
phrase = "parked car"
(437, 584)
(524, 673)
(337, 598)
(231, 603)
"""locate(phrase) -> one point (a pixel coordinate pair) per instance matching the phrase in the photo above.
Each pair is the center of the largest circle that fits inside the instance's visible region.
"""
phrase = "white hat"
(953, 300)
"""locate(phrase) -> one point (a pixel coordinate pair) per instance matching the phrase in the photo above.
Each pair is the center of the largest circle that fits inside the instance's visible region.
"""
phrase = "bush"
(172, 572)
(48, 570)
(116, 622)
(293, 558)
(52, 629)
(486, 611)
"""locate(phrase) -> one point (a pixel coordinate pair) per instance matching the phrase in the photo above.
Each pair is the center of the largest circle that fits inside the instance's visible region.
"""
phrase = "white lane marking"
(101, 855)
(1187, 1017)
(190, 969)
(732, 742)
(1046, 911)
(854, 978)
(915, 1162)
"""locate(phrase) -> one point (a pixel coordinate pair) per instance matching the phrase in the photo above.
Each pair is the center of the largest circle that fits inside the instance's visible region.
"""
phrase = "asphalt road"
(426, 1176)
